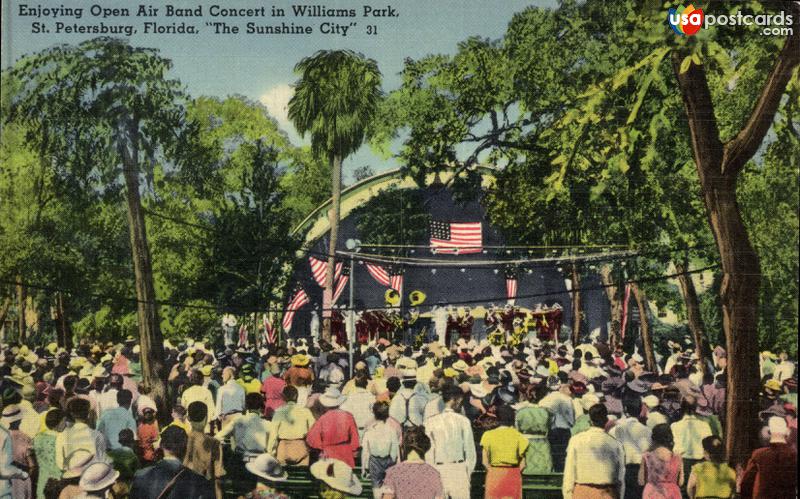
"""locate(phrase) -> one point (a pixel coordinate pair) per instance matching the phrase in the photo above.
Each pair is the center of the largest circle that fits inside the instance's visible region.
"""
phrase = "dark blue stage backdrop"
(473, 286)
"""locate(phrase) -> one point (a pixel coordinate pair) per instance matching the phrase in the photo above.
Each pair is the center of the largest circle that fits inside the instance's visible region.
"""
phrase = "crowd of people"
(411, 421)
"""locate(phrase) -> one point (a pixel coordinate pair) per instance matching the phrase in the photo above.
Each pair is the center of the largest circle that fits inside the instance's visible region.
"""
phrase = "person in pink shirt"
(272, 389)
(335, 432)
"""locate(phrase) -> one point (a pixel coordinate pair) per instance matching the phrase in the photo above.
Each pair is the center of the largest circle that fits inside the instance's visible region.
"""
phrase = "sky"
(260, 67)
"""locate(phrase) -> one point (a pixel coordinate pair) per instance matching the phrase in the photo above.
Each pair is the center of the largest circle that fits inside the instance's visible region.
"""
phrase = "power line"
(245, 310)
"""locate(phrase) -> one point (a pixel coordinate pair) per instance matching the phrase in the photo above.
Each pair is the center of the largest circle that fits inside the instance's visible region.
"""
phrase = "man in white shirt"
(452, 445)
(689, 433)
(785, 369)
(559, 404)
(359, 404)
(230, 396)
(79, 435)
(108, 399)
(199, 393)
(586, 474)
(7, 469)
(380, 447)
(250, 431)
(635, 439)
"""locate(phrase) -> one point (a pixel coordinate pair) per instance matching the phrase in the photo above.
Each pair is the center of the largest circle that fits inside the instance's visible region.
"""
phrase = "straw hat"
(651, 401)
(12, 414)
(332, 397)
(460, 366)
(773, 385)
(477, 390)
(268, 468)
(300, 360)
(76, 462)
(588, 400)
(98, 476)
(337, 475)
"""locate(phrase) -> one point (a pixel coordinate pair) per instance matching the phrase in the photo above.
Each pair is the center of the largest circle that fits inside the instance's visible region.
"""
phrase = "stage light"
(433, 271)
(463, 270)
(496, 271)
(560, 269)
(530, 271)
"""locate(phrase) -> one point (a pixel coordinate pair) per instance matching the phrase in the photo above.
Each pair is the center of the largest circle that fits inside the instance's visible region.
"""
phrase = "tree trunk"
(718, 166)
(22, 297)
(644, 327)
(612, 291)
(333, 218)
(3, 313)
(64, 329)
(576, 305)
(693, 317)
(150, 340)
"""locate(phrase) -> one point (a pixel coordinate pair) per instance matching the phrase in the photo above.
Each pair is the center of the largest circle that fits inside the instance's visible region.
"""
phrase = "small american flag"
(270, 335)
(319, 267)
(300, 298)
(456, 238)
(511, 285)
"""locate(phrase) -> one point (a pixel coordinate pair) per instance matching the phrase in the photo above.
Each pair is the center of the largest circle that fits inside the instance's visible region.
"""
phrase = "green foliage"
(395, 216)
(769, 197)
(334, 100)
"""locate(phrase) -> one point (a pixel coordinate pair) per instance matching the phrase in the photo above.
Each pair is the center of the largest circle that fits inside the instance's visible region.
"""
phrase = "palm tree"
(334, 101)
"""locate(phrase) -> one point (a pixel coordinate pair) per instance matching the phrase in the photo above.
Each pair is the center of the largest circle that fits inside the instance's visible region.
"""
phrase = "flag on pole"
(319, 267)
(270, 335)
(379, 274)
(242, 335)
(511, 284)
(456, 238)
(341, 284)
(300, 298)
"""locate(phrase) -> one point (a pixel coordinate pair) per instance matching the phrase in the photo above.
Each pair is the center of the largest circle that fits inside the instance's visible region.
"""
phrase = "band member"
(465, 324)
(453, 327)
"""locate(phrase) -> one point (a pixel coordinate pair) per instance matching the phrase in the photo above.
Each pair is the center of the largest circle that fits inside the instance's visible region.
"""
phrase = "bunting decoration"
(341, 284)
(299, 299)
(396, 280)
(511, 284)
(625, 311)
(318, 268)
(379, 274)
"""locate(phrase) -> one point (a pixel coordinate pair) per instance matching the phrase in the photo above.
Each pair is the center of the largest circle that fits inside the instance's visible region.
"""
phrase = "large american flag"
(456, 238)
(319, 267)
(298, 300)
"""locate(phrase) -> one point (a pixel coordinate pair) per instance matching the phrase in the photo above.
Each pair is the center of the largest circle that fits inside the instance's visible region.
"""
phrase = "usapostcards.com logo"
(687, 21)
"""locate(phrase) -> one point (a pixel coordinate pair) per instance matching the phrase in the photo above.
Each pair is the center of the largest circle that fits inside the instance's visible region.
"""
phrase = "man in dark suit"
(169, 478)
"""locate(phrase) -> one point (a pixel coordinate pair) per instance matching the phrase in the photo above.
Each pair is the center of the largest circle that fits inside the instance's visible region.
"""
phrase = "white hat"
(778, 429)
(76, 462)
(337, 475)
(11, 414)
(267, 467)
(332, 397)
(588, 400)
(651, 401)
(98, 476)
